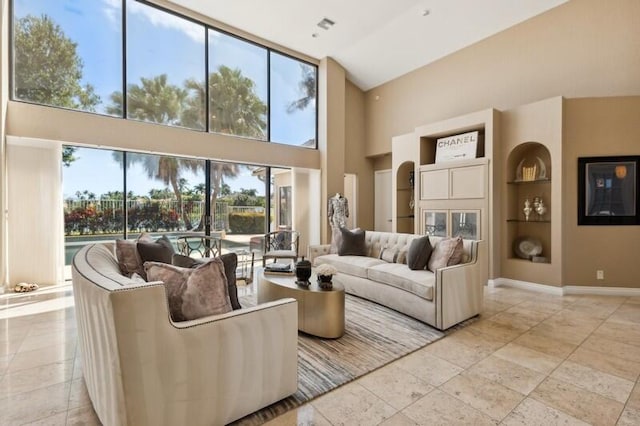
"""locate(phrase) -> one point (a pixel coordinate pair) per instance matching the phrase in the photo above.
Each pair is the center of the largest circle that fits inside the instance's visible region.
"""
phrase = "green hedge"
(246, 223)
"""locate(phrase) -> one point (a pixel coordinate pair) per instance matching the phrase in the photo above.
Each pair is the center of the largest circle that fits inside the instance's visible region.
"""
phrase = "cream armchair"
(140, 368)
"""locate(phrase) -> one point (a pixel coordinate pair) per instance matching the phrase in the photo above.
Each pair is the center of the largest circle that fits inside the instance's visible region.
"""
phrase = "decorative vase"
(324, 281)
(303, 272)
(527, 209)
(539, 207)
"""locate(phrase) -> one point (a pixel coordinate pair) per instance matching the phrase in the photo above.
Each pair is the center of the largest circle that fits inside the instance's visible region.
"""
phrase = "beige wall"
(355, 160)
(583, 48)
(599, 127)
(4, 95)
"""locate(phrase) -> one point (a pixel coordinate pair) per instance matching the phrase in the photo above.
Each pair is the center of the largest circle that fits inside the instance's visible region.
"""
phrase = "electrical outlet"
(600, 274)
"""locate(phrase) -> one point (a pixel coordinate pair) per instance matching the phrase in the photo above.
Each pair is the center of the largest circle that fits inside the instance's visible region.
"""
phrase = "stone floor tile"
(529, 358)
(78, 397)
(476, 340)
(545, 344)
(83, 416)
(20, 381)
(440, 408)
(544, 306)
(634, 398)
(604, 384)
(505, 333)
(612, 347)
(353, 404)
(305, 415)
(39, 341)
(428, 368)
(10, 346)
(35, 405)
(399, 419)
(534, 413)
(627, 313)
(43, 356)
(629, 417)
(456, 353)
(624, 332)
(59, 419)
(607, 363)
(577, 402)
(493, 399)
(393, 385)
(513, 376)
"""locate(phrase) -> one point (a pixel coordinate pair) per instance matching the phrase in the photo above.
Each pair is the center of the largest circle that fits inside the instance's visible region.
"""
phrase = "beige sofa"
(441, 299)
(140, 368)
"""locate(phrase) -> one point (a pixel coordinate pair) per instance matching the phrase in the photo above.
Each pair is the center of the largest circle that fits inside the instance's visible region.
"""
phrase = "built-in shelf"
(405, 189)
(517, 259)
(406, 217)
(520, 182)
(528, 221)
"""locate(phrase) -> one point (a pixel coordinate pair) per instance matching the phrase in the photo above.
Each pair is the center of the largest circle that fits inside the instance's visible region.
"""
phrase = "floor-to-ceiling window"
(135, 60)
(93, 197)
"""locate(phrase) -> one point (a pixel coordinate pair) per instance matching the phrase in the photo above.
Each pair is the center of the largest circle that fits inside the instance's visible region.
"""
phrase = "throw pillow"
(419, 253)
(193, 293)
(458, 253)
(160, 250)
(129, 259)
(230, 261)
(402, 255)
(352, 243)
(442, 253)
(389, 255)
(137, 278)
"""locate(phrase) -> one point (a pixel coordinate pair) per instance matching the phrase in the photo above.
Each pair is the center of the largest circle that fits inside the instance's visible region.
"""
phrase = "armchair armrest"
(459, 289)
(317, 250)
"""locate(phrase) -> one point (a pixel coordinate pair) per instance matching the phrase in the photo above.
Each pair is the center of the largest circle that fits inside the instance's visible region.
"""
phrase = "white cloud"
(113, 11)
(159, 18)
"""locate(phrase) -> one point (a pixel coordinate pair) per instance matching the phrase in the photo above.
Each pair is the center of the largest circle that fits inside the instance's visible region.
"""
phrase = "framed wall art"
(608, 190)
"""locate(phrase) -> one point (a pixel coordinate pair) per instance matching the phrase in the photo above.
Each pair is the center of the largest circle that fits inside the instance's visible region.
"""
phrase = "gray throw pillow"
(160, 250)
(443, 252)
(230, 261)
(352, 243)
(193, 293)
(419, 253)
(129, 259)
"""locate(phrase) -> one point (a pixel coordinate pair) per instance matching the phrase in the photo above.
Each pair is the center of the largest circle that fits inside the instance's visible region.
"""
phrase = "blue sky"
(157, 43)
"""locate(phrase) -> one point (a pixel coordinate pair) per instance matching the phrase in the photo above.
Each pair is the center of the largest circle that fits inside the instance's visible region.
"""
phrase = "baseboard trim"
(601, 291)
(561, 291)
(525, 285)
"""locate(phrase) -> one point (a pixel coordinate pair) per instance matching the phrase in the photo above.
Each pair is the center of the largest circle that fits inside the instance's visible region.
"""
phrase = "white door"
(351, 194)
(382, 203)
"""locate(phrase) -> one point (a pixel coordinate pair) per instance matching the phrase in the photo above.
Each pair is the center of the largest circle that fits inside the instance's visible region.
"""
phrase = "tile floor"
(531, 359)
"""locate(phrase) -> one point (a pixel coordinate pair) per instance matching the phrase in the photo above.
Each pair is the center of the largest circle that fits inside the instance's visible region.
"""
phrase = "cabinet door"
(434, 222)
(468, 182)
(434, 185)
(382, 201)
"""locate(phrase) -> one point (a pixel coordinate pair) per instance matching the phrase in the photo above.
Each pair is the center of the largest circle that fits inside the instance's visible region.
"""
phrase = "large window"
(165, 68)
(293, 101)
(237, 86)
(179, 72)
(67, 53)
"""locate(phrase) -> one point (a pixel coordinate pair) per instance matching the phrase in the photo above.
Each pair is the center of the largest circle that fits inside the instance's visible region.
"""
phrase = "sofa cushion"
(128, 256)
(160, 250)
(389, 255)
(420, 283)
(352, 243)
(193, 293)
(446, 251)
(230, 261)
(419, 253)
(351, 265)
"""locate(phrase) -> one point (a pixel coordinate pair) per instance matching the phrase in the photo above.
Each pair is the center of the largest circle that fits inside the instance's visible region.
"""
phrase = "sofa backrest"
(375, 241)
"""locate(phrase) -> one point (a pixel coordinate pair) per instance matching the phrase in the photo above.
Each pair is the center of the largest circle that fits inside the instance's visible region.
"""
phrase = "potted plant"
(325, 274)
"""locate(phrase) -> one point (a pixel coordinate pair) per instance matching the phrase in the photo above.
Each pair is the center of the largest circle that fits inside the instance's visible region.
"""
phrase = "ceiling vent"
(326, 23)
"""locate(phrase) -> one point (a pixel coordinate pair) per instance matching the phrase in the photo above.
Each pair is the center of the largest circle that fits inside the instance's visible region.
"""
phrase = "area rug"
(374, 336)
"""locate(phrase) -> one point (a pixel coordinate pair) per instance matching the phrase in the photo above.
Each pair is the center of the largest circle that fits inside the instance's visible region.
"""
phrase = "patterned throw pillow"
(388, 255)
(230, 261)
(128, 256)
(445, 253)
(193, 293)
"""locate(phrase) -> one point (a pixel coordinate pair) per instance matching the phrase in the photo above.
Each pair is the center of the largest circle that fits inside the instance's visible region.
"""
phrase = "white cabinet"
(453, 183)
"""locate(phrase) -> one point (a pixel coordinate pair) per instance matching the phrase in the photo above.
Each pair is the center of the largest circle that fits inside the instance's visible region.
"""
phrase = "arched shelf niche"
(529, 173)
(405, 197)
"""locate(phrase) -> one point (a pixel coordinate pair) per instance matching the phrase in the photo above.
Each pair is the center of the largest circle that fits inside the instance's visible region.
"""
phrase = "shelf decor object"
(539, 207)
(457, 147)
(527, 209)
(527, 172)
(609, 190)
(527, 247)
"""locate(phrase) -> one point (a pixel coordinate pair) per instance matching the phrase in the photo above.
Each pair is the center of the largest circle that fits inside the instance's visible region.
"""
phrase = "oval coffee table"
(320, 312)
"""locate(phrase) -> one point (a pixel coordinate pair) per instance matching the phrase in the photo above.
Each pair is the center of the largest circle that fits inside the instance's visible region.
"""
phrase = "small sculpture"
(539, 207)
(527, 209)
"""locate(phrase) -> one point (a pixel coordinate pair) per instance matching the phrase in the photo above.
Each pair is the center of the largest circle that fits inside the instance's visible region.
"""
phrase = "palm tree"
(308, 88)
(167, 170)
(234, 106)
(155, 100)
